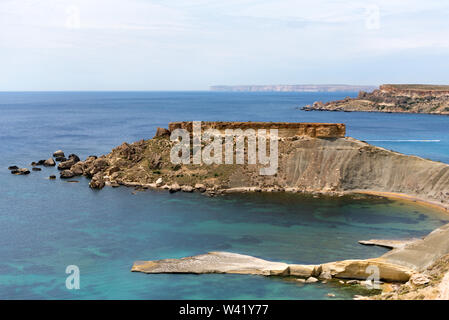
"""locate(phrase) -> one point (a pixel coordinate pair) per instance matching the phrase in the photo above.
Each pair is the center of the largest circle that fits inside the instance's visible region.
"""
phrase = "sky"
(191, 45)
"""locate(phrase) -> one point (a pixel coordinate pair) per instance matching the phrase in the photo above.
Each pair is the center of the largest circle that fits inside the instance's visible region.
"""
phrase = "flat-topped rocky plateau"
(400, 98)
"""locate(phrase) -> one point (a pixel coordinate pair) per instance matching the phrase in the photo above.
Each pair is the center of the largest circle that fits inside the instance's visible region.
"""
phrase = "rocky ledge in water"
(422, 265)
(227, 262)
(431, 99)
(389, 244)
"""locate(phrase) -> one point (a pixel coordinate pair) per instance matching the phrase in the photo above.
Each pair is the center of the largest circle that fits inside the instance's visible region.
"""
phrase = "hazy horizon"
(138, 45)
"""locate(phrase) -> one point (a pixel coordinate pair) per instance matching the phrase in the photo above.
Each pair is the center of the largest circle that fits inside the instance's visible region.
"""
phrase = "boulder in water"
(58, 153)
(66, 174)
(49, 162)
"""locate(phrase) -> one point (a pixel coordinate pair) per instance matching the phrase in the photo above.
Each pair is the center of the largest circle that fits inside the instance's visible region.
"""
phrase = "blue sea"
(47, 225)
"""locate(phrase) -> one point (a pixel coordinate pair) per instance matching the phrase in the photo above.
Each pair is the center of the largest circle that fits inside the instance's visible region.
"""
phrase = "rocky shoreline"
(392, 99)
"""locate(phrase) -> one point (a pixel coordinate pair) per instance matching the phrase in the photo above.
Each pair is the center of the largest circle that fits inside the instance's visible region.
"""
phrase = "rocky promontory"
(308, 162)
(432, 99)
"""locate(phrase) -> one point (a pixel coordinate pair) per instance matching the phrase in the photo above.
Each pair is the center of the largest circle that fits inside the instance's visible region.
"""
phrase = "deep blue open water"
(47, 225)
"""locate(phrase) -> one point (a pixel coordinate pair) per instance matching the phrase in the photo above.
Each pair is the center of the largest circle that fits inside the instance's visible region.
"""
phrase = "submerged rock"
(21, 171)
(13, 167)
(36, 169)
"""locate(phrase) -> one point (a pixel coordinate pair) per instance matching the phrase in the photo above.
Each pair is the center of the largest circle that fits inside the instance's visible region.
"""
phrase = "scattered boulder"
(36, 169)
(187, 189)
(200, 187)
(74, 157)
(311, 280)
(58, 153)
(61, 159)
(21, 171)
(40, 162)
(66, 174)
(52, 177)
(97, 182)
(174, 188)
(49, 162)
(161, 132)
(94, 166)
(77, 169)
(159, 182)
(13, 167)
(66, 164)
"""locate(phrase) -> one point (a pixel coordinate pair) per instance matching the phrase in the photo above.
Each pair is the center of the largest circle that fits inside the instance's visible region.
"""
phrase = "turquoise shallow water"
(46, 225)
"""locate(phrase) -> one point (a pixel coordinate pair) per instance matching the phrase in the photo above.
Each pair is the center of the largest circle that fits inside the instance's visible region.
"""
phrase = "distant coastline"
(293, 88)
(398, 98)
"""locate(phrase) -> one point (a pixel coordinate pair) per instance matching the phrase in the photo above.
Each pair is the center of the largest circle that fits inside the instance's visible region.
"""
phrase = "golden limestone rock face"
(285, 129)
(363, 269)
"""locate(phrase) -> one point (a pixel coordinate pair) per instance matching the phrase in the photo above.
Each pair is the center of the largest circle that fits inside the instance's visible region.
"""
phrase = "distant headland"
(294, 88)
(398, 98)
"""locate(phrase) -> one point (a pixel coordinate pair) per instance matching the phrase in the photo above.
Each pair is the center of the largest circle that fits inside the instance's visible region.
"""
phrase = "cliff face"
(393, 98)
(285, 129)
(293, 88)
(349, 164)
(305, 164)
